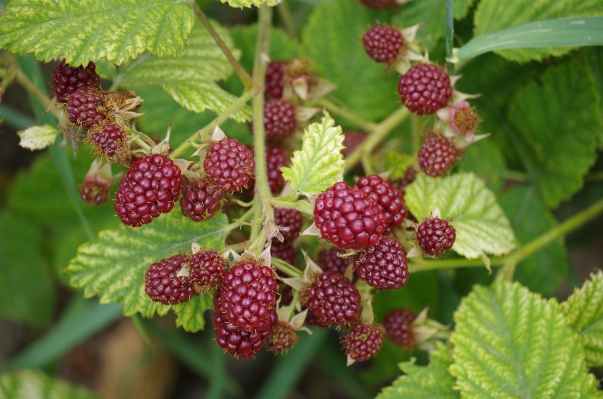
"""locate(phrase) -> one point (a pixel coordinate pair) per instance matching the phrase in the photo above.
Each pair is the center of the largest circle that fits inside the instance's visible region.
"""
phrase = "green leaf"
(397, 164)
(594, 58)
(584, 313)
(190, 313)
(559, 139)
(494, 16)
(433, 381)
(33, 384)
(27, 294)
(332, 37)
(249, 3)
(318, 165)
(511, 343)
(87, 30)
(576, 31)
(461, 8)
(486, 160)
(190, 79)
(431, 14)
(37, 137)
(544, 270)
(481, 226)
(113, 267)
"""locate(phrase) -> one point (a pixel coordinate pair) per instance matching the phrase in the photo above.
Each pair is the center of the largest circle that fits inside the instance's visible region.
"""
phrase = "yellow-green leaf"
(33, 384)
(37, 137)
(190, 313)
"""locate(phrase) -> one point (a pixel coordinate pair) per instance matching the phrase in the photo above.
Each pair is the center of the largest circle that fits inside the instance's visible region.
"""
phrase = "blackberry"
(275, 160)
(328, 260)
(200, 200)
(435, 236)
(86, 107)
(333, 299)
(383, 265)
(283, 337)
(383, 43)
(109, 142)
(312, 319)
(274, 85)
(94, 191)
(162, 283)
(379, 4)
(290, 218)
(286, 295)
(148, 189)
(437, 155)
(387, 197)
(348, 217)
(229, 165)
(284, 251)
(240, 344)
(351, 140)
(363, 341)
(425, 88)
(207, 269)
(249, 296)
(279, 119)
(398, 328)
(67, 79)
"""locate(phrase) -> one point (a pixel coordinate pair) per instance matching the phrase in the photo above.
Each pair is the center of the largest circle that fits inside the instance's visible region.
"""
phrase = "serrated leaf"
(511, 343)
(190, 79)
(113, 267)
(397, 164)
(249, 3)
(318, 165)
(486, 160)
(561, 32)
(584, 313)
(37, 137)
(190, 313)
(33, 384)
(87, 30)
(433, 381)
(559, 139)
(431, 14)
(494, 16)
(481, 226)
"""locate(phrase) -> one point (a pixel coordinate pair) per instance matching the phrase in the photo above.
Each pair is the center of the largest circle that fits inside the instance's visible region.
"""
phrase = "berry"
(435, 236)
(328, 260)
(109, 142)
(351, 140)
(274, 85)
(286, 295)
(229, 165)
(200, 200)
(284, 251)
(240, 344)
(67, 79)
(425, 88)
(94, 190)
(148, 189)
(437, 155)
(409, 176)
(398, 328)
(290, 218)
(363, 341)
(387, 197)
(283, 337)
(249, 296)
(348, 217)
(383, 266)
(162, 283)
(313, 320)
(86, 107)
(207, 269)
(463, 118)
(275, 160)
(383, 43)
(379, 4)
(279, 119)
(333, 299)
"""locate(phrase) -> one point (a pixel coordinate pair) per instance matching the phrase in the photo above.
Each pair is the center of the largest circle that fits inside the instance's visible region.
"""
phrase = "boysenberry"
(435, 236)
(363, 341)
(387, 197)
(284, 251)
(162, 283)
(273, 86)
(200, 200)
(290, 218)
(383, 43)
(85, 107)
(279, 119)
(379, 4)
(67, 79)
(437, 155)
(328, 260)
(332, 298)
(425, 88)
(207, 269)
(398, 328)
(283, 337)
(275, 160)
(94, 191)
(109, 141)
(383, 265)
(351, 140)
(229, 165)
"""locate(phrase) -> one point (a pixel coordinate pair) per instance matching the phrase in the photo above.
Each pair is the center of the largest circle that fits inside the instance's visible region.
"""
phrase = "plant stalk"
(347, 114)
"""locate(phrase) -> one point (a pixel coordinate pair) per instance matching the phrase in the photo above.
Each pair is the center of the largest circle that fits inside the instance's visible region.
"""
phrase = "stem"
(302, 206)
(517, 176)
(377, 135)
(32, 89)
(520, 253)
(449, 33)
(347, 114)
(243, 75)
(138, 140)
(416, 135)
(216, 122)
(287, 268)
(285, 13)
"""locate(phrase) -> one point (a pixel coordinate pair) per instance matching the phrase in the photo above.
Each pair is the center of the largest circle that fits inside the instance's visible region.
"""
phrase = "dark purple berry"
(273, 86)
(425, 88)
(162, 283)
(279, 119)
(387, 197)
(86, 107)
(435, 236)
(398, 328)
(207, 269)
(284, 251)
(200, 200)
(437, 155)
(283, 337)
(333, 299)
(383, 43)
(363, 341)
(67, 79)
(328, 260)
(109, 142)
(383, 265)
(229, 165)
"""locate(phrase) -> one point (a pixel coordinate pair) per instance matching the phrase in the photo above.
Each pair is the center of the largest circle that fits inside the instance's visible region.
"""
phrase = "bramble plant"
(342, 168)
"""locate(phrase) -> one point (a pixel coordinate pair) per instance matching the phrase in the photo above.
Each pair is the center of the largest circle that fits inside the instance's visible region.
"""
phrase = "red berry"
(437, 155)
(290, 218)
(284, 251)
(229, 165)
(207, 269)
(200, 200)
(435, 236)
(240, 344)
(409, 176)
(363, 341)
(425, 88)
(313, 320)
(162, 283)
(148, 189)
(67, 79)
(333, 299)
(387, 197)
(348, 217)
(379, 4)
(279, 119)
(398, 328)
(383, 265)
(249, 296)
(273, 86)
(86, 107)
(383, 43)
(109, 142)
(283, 337)
(351, 140)
(94, 191)
(328, 260)
(275, 160)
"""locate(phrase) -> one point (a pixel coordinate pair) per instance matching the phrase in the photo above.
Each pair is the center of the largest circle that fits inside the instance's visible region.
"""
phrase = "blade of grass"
(16, 119)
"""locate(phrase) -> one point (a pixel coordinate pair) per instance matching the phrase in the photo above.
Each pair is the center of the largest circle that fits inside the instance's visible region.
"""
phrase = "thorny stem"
(243, 75)
(347, 114)
(520, 253)
(216, 122)
(302, 206)
(287, 268)
(138, 139)
(24, 81)
(416, 135)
